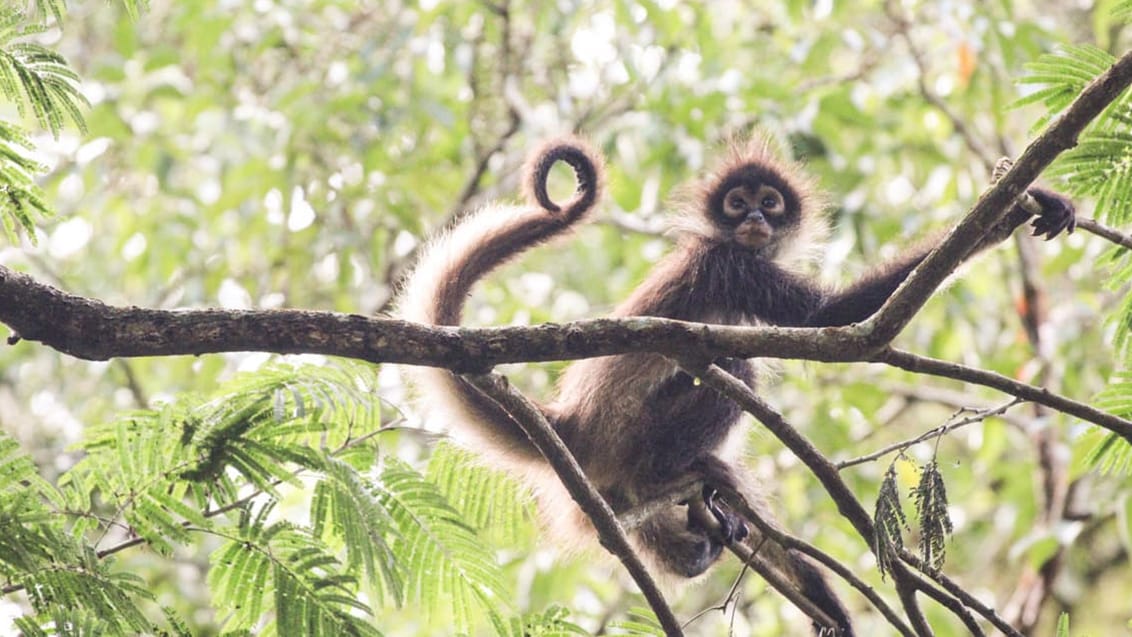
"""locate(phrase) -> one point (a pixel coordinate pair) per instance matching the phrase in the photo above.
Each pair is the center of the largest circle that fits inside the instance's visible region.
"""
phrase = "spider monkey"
(635, 422)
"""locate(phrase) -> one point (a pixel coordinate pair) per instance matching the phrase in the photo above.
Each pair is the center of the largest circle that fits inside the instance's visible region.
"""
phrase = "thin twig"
(903, 29)
(946, 428)
(1103, 231)
(935, 367)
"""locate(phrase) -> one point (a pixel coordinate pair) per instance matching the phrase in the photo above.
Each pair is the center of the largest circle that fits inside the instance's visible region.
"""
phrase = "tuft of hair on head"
(589, 174)
(762, 149)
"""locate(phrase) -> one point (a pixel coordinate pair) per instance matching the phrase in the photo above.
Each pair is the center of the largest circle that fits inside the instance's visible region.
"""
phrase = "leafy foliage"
(486, 500)
(172, 475)
(552, 622)
(889, 521)
(289, 154)
(1100, 166)
(1122, 10)
(1063, 625)
(1103, 450)
(67, 581)
(284, 563)
(930, 499)
(21, 201)
(36, 79)
(445, 563)
(933, 521)
(642, 621)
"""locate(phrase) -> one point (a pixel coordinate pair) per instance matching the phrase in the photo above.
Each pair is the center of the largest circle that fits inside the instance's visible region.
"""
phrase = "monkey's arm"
(1054, 214)
(863, 298)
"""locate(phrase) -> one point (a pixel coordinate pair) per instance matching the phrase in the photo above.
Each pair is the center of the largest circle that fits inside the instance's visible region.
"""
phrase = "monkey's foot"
(732, 527)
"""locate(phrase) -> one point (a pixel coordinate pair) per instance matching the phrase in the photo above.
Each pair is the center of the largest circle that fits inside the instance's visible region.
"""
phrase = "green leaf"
(930, 499)
(641, 622)
(889, 520)
(1063, 625)
(286, 565)
(348, 507)
(486, 499)
(444, 561)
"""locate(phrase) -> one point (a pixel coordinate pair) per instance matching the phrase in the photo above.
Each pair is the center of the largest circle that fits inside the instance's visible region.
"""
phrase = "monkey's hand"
(731, 527)
(716, 474)
(1054, 212)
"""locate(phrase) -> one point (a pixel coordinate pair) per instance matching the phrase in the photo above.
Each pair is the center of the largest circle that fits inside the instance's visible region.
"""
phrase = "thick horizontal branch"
(90, 329)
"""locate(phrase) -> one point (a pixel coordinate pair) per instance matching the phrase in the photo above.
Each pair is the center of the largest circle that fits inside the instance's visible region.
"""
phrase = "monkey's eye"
(735, 204)
(770, 201)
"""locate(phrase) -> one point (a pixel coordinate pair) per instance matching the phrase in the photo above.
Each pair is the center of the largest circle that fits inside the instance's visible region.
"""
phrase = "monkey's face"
(756, 214)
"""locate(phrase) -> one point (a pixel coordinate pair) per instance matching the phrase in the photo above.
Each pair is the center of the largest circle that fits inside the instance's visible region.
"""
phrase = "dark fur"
(636, 423)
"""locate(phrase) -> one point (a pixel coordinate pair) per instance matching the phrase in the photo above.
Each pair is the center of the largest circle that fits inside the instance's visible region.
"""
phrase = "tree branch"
(597, 510)
(92, 330)
(924, 365)
(1061, 135)
(951, 425)
(715, 377)
(774, 534)
(1103, 231)
(907, 582)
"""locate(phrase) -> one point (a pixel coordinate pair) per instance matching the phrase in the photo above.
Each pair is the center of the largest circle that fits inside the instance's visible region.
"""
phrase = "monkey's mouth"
(753, 235)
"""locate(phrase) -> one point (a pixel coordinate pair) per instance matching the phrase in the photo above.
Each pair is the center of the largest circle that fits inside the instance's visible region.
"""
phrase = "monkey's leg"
(803, 574)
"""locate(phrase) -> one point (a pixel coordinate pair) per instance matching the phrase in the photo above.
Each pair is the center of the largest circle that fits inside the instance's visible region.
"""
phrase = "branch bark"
(1061, 135)
(1040, 395)
(772, 533)
(90, 329)
(597, 510)
(907, 581)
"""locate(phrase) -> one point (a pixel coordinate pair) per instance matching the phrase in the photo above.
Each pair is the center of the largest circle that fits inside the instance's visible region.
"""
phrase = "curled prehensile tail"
(452, 262)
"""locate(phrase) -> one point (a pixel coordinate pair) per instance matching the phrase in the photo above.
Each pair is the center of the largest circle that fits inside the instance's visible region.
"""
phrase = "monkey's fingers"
(1057, 213)
(1050, 226)
(731, 527)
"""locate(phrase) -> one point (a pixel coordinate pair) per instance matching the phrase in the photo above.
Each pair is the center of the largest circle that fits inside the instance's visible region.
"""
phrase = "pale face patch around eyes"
(738, 202)
(769, 200)
(741, 201)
